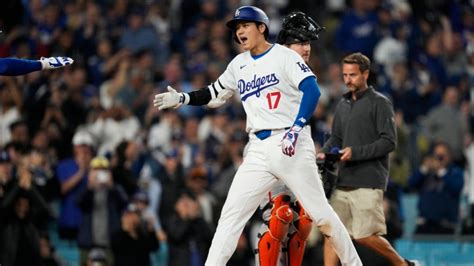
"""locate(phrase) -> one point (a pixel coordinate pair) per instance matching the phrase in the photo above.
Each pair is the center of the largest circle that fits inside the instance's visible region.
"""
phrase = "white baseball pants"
(263, 162)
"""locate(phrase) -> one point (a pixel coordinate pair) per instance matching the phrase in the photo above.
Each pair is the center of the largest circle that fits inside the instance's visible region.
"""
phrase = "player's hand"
(288, 143)
(170, 99)
(55, 62)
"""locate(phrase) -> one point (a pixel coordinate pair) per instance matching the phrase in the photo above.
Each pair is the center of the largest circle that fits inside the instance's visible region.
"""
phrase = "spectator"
(72, 174)
(126, 154)
(439, 183)
(139, 36)
(197, 183)
(148, 217)
(10, 104)
(189, 235)
(20, 208)
(101, 204)
(358, 28)
(172, 179)
(132, 244)
(20, 133)
(445, 123)
(114, 126)
(6, 173)
(43, 175)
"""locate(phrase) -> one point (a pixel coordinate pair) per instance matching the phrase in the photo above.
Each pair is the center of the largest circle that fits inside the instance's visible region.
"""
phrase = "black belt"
(263, 134)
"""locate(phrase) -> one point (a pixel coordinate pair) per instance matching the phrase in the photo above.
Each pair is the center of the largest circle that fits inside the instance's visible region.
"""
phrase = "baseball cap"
(97, 255)
(83, 138)
(99, 162)
(4, 156)
(140, 196)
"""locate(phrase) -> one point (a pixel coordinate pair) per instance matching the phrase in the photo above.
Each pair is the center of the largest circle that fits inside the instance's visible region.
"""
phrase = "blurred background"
(91, 173)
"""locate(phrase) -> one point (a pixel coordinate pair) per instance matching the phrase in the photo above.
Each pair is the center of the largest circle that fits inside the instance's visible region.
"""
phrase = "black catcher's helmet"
(298, 27)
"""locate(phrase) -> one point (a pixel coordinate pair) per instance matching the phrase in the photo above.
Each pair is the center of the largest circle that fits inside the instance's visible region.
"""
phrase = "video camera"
(327, 168)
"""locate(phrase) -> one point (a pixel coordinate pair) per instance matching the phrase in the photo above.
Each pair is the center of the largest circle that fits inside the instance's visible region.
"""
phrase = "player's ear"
(261, 27)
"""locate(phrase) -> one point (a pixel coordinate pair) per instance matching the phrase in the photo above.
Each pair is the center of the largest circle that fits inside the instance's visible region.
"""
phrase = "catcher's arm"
(214, 95)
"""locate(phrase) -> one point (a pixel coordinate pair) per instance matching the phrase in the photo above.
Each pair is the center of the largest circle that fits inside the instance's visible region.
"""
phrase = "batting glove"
(288, 143)
(55, 62)
(170, 99)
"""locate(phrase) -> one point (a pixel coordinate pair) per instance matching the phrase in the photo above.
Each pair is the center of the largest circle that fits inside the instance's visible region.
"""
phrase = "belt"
(263, 134)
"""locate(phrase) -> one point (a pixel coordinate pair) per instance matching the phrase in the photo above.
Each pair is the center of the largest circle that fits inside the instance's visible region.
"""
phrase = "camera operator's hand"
(346, 154)
(320, 156)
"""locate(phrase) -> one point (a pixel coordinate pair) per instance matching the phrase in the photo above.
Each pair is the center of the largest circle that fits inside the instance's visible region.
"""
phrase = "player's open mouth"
(243, 40)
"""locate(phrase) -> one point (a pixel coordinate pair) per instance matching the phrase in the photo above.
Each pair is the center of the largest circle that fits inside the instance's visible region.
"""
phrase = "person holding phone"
(101, 203)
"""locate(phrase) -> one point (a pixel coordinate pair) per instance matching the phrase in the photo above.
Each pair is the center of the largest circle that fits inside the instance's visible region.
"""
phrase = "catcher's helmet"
(248, 13)
(298, 27)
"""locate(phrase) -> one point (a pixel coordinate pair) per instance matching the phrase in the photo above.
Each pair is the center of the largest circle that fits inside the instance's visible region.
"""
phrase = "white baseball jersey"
(268, 86)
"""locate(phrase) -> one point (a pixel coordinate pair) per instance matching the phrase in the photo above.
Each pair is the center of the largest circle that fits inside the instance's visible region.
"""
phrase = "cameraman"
(439, 183)
(364, 126)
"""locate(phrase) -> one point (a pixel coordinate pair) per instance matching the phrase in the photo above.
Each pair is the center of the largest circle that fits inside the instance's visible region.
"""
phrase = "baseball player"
(16, 67)
(279, 94)
(298, 30)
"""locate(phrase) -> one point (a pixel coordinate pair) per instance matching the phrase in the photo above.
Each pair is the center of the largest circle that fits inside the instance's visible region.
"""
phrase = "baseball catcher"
(286, 227)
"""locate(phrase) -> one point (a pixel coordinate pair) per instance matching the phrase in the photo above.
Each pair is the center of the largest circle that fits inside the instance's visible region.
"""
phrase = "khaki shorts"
(361, 211)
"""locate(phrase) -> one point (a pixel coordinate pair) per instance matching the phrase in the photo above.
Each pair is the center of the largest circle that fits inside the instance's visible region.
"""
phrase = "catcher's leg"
(270, 242)
(297, 240)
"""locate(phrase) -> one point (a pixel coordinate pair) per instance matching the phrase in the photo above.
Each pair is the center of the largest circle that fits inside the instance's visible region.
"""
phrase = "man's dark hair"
(358, 59)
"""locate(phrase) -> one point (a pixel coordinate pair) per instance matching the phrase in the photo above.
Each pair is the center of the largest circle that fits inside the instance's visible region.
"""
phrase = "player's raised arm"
(214, 95)
(16, 67)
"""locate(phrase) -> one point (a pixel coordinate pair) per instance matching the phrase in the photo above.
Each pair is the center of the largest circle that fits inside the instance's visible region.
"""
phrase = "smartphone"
(102, 176)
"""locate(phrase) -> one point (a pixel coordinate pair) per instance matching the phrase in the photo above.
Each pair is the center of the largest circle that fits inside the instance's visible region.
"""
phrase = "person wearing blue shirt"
(439, 183)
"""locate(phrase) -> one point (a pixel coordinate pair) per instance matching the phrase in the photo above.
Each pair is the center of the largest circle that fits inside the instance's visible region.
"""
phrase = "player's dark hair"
(358, 59)
(266, 32)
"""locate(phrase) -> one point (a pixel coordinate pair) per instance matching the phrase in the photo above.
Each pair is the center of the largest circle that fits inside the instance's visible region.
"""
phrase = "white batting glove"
(288, 143)
(55, 62)
(170, 99)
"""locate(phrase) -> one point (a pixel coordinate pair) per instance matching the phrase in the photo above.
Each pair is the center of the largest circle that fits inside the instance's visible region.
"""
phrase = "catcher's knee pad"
(297, 240)
(270, 242)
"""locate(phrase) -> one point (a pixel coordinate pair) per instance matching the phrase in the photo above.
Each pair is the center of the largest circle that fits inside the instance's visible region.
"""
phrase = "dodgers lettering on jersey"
(256, 85)
(268, 86)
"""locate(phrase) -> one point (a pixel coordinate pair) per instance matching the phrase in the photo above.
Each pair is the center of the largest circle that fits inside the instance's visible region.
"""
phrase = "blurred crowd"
(84, 152)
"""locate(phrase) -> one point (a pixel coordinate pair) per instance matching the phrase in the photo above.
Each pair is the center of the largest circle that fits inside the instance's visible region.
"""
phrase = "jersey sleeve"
(296, 69)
